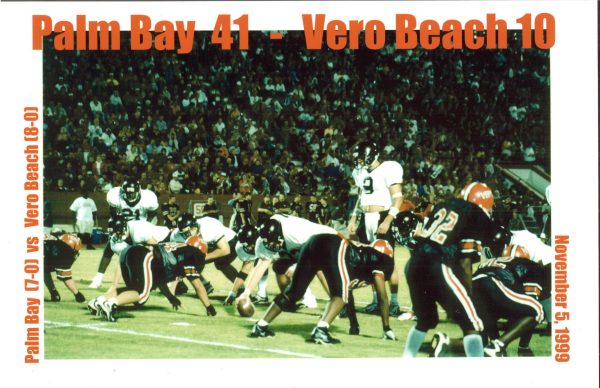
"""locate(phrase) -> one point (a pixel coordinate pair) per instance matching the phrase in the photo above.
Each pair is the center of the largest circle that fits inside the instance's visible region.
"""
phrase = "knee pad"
(285, 303)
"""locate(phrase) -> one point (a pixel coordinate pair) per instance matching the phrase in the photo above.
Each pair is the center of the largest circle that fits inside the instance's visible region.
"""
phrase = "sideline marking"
(59, 325)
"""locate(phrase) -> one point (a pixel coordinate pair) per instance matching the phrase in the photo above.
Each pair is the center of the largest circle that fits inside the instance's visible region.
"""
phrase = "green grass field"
(154, 331)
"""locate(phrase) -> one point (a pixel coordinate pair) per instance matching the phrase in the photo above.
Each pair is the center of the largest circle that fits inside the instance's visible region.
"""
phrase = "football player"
(379, 202)
(143, 267)
(440, 267)
(59, 255)
(245, 251)
(130, 202)
(187, 227)
(280, 239)
(125, 234)
(506, 287)
(345, 266)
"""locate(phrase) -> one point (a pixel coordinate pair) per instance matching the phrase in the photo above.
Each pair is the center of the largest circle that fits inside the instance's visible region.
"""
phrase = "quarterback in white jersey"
(380, 193)
(132, 203)
(379, 202)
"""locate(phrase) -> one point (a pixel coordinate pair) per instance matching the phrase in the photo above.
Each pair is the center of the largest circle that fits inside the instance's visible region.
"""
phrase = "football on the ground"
(245, 307)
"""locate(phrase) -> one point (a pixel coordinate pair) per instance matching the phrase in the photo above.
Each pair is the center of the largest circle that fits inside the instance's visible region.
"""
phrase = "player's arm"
(259, 269)
(396, 195)
(384, 306)
(221, 250)
(239, 281)
(166, 291)
(355, 213)
(202, 295)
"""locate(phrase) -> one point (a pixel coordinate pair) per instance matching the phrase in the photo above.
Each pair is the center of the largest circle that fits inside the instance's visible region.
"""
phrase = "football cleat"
(54, 296)
(260, 300)
(440, 344)
(94, 306)
(108, 310)
(372, 308)
(320, 335)
(261, 331)
(407, 316)
(525, 352)
(394, 310)
(344, 313)
(181, 288)
(495, 349)
(309, 302)
(96, 282)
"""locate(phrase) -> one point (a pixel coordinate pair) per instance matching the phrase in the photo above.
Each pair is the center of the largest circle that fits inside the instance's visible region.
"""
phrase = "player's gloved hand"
(54, 296)
(230, 299)
(79, 297)
(354, 330)
(210, 310)
(175, 302)
(388, 334)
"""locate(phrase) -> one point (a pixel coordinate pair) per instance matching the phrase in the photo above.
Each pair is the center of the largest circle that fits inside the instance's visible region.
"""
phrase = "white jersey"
(242, 254)
(142, 231)
(296, 232)
(538, 251)
(212, 230)
(148, 202)
(117, 245)
(84, 209)
(374, 186)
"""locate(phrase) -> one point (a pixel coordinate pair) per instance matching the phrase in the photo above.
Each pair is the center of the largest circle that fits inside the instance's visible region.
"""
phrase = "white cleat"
(407, 316)
(96, 282)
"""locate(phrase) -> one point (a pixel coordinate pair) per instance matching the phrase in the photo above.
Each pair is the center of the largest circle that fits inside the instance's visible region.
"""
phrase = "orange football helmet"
(197, 242)
(71, 240)
(479, 194)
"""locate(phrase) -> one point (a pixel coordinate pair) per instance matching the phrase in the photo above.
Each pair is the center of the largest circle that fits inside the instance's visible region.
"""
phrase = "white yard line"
(101, 327)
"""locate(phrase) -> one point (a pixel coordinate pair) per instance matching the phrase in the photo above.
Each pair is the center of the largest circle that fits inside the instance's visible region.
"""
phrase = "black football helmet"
(117, 225)
(365, 153)
(131, 192)
(272, 235)
(185, 223)
(247, 236)
(501, 239)
(403, 227)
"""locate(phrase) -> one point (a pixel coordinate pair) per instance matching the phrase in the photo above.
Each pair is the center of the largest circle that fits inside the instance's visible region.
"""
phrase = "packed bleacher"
(281, 119)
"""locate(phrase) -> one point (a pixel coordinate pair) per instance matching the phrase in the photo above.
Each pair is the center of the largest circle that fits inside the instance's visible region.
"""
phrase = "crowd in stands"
(280, 119)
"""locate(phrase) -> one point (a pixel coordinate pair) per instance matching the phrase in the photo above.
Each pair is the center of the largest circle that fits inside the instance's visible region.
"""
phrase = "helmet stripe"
(468, 191)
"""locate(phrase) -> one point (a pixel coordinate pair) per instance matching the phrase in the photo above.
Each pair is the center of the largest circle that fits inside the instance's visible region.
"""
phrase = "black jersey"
(210, 210)
(455, 229)
(363, 262)
(59, 257)
(244, 206)
(176, 260)
(519, 274)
